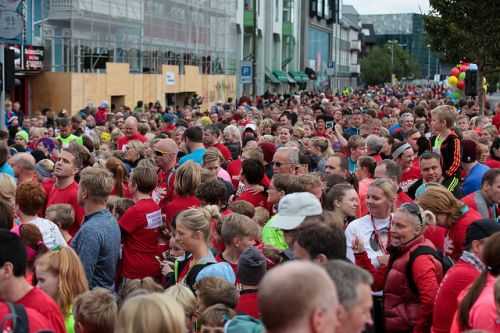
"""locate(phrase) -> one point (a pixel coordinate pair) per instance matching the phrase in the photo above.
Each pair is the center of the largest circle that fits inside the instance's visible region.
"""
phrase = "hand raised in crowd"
(357, 245)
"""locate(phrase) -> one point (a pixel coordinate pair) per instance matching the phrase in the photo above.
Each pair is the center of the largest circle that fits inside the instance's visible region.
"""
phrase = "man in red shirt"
(211, 138)
(65, 189)
(36, 322)
(251, 269)
(252, 173)
(131, 133)
(140, 227)
(165, 152)
(15, 289)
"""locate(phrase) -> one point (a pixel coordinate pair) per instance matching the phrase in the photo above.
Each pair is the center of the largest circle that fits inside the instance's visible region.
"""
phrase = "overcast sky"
(389, 6)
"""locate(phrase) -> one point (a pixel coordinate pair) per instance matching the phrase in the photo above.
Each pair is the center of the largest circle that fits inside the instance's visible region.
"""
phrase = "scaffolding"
(82, 35)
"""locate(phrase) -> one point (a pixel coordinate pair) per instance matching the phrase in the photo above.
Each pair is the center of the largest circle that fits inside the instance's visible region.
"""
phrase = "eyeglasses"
(278, 164)
(413, 209)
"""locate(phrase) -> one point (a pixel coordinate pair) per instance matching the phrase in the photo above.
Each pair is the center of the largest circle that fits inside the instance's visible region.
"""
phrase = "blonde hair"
(184, 296)
(198, 219)
(137, 146)
(445, 113)
(98, 182)
(96, 310)
(212, 155)
(131, 286)
(153, 313)
(387, 186)
(7, 188)
(187, 178)
(439, 200)
(66, 265)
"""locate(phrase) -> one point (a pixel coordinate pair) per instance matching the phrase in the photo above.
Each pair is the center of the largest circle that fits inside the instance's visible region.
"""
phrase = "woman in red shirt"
(451, 214)
(187, 179)
(117, 169)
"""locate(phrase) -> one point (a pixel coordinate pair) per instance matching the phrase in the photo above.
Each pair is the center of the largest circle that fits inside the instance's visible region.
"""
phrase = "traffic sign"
(246, 72)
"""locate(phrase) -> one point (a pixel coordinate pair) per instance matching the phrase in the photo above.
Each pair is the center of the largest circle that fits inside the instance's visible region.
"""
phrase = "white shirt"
(363, 229)
(51, 234)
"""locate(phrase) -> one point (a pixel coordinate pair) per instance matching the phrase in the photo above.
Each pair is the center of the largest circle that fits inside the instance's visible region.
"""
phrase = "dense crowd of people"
(373, 211)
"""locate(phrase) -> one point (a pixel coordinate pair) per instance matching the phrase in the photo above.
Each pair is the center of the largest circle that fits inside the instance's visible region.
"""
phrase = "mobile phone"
(330, 124)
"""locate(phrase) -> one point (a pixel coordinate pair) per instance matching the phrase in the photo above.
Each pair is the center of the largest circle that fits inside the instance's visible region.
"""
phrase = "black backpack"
(18, 317)
(445, 261)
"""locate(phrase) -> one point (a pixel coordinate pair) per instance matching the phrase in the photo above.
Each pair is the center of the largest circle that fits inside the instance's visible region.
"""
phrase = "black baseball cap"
(480, 229)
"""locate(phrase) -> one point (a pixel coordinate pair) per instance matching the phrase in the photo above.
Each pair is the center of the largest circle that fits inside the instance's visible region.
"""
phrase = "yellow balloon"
(452, 80)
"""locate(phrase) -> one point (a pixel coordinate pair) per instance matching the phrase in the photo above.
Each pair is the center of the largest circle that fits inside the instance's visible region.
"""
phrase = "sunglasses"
(160, 153)
(413, 209)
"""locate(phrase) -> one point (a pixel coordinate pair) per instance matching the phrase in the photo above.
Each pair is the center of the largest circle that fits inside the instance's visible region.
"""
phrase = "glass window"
(277, 10)
(320, 8)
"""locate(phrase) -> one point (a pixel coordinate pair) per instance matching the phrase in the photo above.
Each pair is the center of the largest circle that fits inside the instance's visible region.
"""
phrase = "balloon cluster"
(456, 80)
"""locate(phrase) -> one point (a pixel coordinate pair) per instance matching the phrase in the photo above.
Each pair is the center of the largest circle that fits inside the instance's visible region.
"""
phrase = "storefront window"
(319, 52)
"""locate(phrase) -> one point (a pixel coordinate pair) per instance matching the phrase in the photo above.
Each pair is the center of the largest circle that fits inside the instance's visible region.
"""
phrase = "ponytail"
(469, 300)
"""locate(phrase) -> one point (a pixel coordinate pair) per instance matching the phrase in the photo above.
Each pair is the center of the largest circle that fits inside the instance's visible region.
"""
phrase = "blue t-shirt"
(6, 168)
(195, 156)
(472, 182)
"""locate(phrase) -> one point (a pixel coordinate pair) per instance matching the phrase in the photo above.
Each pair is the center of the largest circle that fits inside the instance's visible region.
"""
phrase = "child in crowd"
(64, 216)
(95, 311)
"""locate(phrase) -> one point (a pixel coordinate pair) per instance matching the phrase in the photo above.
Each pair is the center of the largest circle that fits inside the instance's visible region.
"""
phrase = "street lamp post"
(391, 44)
(428, 61)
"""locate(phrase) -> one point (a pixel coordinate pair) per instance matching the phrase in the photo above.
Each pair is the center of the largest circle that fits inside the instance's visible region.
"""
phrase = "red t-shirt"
(37, 300)
(178, 205)
(408, 177)
(224, 151)
(141, 231)
(496, 121)
(36, 321)
(402, 199)
(459, 277)
(493, 164)
(234, 170)
(166, 181)
(248, 303)
(256, 199)
(67, 195)
(123, 140)
(220, 258)
(458, 231)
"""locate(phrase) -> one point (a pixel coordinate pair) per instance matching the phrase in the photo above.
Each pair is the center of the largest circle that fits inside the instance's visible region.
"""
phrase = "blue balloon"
(473, 67)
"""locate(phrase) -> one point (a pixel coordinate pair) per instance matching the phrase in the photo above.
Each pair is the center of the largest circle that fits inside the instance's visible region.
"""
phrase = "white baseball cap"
(294, 208)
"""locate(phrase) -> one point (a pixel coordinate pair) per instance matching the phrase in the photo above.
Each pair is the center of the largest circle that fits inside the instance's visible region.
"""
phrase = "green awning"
(271, 78)
(281, 76)
(300, 77)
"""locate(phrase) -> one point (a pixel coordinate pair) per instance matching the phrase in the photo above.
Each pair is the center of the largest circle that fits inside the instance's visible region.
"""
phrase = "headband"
(400, 150)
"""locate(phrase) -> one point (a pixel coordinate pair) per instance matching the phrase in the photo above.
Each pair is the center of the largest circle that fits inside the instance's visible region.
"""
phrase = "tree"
(377, 66)
(466, 29)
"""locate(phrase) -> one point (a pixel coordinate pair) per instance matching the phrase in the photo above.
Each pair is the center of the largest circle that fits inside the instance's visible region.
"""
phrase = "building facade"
(409, 32)
(276, 43)
(318, 47)
(147, 50)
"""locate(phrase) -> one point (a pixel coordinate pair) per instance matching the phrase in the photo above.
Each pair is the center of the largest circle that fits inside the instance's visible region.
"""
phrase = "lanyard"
(377, 238)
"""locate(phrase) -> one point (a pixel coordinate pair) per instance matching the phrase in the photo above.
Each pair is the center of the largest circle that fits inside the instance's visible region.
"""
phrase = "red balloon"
(464, 68)
(461, 85)
(455, 71)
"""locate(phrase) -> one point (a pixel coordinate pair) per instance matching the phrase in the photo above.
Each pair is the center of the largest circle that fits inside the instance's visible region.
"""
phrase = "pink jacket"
(483, 314)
